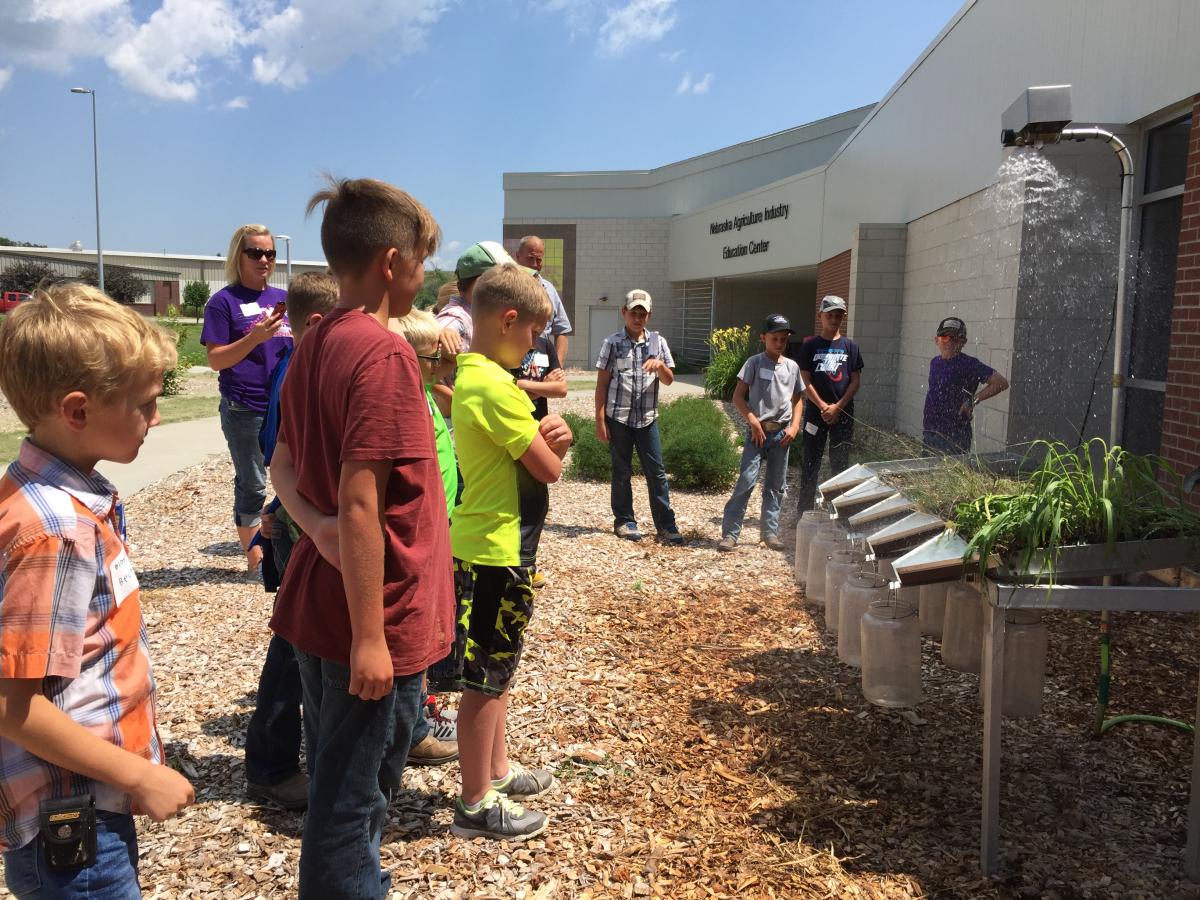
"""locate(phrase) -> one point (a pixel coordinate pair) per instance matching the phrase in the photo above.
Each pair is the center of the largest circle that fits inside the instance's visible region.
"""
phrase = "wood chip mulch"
(706, 740)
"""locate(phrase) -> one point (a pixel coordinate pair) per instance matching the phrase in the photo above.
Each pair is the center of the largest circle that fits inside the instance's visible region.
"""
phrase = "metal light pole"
(96, 174)
(288, 240)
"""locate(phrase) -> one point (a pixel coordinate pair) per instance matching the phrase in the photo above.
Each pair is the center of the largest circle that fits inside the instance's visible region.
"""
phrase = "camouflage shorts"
(495, 604)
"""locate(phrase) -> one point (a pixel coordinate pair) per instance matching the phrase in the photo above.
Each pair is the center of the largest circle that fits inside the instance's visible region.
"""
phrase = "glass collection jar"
(855, 598)
(844, 564)
(931, 608)
(962, 635)
(1025, 643)
(827, 539)
(805, 528)
(891, 654)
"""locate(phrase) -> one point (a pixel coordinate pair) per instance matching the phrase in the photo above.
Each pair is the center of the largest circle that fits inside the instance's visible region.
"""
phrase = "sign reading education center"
(775, 227)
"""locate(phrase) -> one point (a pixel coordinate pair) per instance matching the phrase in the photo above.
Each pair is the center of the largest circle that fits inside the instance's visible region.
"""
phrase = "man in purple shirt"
(951, 399)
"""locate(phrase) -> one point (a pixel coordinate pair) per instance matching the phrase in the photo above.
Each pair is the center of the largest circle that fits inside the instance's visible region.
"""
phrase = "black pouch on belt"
(67, 828)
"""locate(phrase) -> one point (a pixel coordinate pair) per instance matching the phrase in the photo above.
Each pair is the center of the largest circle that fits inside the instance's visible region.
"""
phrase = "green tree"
(9, 242)
(195, 295)
(121, 283)
(26, 275)
(427, 295)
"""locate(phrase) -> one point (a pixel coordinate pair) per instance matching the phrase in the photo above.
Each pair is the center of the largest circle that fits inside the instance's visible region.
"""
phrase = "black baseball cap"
(952, 325)
(776, 322)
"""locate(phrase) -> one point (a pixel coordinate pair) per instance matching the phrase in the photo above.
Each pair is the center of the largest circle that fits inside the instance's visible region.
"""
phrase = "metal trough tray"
(868, 493)
(908, 530)
(844, 481)
(895, 505)
(938, 559)
(1092, 560)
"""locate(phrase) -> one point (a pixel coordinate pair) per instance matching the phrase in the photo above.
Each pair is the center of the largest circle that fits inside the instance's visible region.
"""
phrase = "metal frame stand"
(1114, 598)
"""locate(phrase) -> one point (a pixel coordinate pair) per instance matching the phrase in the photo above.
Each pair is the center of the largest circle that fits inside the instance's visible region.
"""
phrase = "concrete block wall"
(961, 260)
(612, 257)
(875, 295)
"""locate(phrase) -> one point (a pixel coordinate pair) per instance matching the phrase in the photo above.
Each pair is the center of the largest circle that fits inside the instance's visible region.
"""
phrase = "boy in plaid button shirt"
(76, 691)
(631, 364)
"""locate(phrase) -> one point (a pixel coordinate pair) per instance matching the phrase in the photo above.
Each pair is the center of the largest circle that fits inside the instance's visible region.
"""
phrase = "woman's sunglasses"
(257, 253)
(434, 358)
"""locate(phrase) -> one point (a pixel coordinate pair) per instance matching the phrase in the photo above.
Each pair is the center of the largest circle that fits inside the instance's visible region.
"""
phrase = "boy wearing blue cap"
(769, 395)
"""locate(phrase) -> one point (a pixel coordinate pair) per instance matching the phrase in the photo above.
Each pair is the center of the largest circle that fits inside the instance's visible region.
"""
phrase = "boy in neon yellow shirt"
(507, 458)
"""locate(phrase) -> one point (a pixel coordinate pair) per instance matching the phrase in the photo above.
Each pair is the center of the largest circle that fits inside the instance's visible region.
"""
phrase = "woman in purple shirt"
(245, 333)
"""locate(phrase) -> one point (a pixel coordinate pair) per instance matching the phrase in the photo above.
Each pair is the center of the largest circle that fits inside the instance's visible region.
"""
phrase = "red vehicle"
(10, 299)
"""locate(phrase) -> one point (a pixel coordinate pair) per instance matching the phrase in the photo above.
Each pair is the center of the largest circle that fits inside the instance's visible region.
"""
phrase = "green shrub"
(731, 348)
(699, 458)
(195, 296)
(589, 458)
(173, 379)
(692, 409)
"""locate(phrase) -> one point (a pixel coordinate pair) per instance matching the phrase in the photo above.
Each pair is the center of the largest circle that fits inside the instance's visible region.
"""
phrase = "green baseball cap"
(478, 258)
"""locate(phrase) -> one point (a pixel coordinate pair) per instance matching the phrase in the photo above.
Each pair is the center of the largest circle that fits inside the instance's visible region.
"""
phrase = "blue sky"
(217, 112)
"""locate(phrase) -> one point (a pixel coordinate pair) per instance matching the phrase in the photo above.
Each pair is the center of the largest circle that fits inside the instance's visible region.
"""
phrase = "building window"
(1159, 213)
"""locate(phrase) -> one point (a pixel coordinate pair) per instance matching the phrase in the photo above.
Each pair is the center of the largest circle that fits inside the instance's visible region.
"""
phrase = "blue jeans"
(273, 733)
(114, 875)
(950, 444)
(621, 443)
(357, 750)
(241, 425)
(774, 486)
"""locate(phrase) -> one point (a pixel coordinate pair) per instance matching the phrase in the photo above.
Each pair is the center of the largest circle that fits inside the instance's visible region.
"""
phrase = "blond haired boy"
(508, 458)
(78, 741)
(367, 599)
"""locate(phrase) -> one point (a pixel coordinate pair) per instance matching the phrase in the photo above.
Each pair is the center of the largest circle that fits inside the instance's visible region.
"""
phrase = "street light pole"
(288, 241)
(96, 176)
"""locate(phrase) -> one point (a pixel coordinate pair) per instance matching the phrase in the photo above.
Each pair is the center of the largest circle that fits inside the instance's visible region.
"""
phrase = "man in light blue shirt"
(530, 253)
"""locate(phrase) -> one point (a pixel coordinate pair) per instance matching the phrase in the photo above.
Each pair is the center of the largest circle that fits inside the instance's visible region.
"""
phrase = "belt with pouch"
(772, 427)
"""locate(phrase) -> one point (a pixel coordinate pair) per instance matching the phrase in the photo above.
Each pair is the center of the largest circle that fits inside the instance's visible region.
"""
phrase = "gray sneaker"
(498, 818)
(628, 531)
(727, 545)
(522, 782)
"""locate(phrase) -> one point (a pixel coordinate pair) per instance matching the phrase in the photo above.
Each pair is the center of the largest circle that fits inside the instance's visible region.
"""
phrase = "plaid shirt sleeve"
(666, 352)
(45, 590)
(604, 359)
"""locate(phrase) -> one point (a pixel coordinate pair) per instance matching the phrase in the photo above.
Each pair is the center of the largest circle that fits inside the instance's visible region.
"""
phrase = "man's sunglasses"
(434, 358)
(257, 253)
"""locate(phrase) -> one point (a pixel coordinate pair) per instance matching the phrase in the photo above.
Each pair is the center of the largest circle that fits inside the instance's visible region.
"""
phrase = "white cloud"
(238, 103)
(176, 51)
(5, 74)
(687, 86)
(638, 22)
(671, 57)
(452, 246)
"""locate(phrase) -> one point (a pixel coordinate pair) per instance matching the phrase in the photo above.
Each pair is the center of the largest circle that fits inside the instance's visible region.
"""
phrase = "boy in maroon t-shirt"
(368, 597)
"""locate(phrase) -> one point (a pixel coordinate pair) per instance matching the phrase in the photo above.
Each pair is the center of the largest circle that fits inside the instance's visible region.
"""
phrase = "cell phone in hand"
(280, 308)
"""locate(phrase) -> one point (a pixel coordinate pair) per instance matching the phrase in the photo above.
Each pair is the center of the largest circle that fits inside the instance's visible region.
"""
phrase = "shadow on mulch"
(191, 575)
(896, 794)
(574, 531)
(222, 548)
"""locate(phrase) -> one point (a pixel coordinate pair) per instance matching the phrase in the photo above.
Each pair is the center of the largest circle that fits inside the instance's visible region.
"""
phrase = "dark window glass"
(1143, 420)
(1154, 289)
(1166, 155)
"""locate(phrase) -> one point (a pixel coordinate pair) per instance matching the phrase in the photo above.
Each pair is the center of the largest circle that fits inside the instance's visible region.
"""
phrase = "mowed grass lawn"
(172, 409)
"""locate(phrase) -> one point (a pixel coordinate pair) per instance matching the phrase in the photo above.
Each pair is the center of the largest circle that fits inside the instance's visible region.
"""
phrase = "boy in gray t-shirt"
(769, 394)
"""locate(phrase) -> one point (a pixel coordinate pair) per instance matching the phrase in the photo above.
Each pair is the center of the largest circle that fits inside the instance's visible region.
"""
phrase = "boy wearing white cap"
(831, 366)
(631, 364)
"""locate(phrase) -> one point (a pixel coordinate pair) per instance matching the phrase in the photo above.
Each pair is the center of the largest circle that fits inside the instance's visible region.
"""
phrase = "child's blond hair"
(419, 328)
(71, 337)
(364, 216)
(237, 243)
(445, 292)
(312, 292)
(509, 286)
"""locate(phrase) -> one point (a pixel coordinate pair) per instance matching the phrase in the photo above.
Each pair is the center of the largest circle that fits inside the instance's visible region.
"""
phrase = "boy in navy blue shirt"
(831, 367)
(951, 399)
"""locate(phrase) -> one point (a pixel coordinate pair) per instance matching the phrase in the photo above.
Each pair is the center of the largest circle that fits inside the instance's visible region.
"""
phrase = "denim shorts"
(495, 604)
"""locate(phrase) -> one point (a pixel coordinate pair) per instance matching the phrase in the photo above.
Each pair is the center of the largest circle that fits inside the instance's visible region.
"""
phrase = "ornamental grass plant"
(731, 347)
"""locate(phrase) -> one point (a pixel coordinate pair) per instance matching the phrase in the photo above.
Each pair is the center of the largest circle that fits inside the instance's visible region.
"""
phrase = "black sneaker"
(498, 818)
(674, 538)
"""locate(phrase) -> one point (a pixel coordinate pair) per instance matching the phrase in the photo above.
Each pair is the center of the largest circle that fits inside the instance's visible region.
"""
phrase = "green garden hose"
(1102, 724)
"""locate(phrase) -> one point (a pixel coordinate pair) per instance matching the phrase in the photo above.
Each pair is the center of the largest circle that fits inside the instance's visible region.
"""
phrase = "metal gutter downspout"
(1118, 373)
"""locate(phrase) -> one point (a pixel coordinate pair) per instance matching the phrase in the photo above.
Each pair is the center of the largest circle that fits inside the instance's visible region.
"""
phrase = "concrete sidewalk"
(168, 449)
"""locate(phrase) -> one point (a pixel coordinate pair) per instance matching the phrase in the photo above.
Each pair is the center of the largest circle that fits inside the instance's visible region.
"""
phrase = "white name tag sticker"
(624, 364)
(811, 427)
(766, 374)
(124, 581)
(541, 360)
(251, 310)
